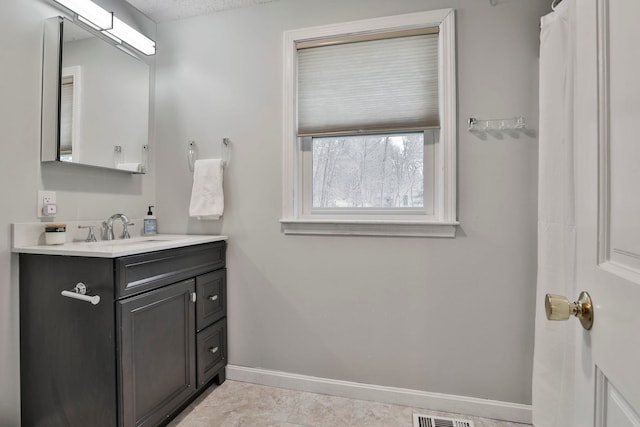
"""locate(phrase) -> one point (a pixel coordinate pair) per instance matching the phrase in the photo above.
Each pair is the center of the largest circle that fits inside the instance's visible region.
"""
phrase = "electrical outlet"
(46, 198)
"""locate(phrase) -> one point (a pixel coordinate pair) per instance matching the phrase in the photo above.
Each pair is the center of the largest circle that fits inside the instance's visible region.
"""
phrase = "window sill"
(369, 228)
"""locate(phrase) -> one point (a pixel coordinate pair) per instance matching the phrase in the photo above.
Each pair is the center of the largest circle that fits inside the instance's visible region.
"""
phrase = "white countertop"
(120, 247)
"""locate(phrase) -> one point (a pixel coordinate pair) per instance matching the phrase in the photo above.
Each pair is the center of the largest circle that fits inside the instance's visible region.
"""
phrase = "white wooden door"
(607, 141)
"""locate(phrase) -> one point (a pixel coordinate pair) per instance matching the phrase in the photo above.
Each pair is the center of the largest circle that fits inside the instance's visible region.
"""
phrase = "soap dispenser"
(150, 223)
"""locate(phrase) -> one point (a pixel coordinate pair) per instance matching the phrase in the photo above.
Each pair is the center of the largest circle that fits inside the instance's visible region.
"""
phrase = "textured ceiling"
(171, 10)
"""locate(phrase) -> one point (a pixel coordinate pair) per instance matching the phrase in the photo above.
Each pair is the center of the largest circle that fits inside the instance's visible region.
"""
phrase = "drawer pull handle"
(213, 350)
(213, 297)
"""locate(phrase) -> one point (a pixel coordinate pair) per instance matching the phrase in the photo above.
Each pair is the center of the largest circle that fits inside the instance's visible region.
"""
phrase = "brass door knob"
(558, 307)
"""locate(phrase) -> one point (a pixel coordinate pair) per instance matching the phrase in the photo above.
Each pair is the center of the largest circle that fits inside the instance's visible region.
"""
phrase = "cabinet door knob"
(213, 297)
(213, 350)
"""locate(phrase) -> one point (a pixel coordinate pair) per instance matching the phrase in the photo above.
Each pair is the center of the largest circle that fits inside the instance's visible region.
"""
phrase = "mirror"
(95, 99)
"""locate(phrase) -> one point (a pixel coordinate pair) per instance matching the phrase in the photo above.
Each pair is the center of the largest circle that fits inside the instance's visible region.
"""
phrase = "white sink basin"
(126, 242)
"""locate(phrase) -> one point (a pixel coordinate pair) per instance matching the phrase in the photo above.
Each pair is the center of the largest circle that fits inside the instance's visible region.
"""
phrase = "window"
(369, 127)
(371, 171)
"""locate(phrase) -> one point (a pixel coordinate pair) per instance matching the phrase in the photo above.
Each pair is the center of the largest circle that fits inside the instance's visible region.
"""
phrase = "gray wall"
(83, 193)
(442, 315)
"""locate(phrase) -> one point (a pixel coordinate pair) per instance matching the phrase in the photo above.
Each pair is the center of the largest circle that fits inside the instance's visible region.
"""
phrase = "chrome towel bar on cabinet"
(80, 292)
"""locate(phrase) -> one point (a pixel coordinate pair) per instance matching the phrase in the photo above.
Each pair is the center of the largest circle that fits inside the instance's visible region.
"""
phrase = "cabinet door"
(157, 353)
(67, 346)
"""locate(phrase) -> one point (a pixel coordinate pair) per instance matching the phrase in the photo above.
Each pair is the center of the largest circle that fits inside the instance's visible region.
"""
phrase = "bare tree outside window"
(369, 171)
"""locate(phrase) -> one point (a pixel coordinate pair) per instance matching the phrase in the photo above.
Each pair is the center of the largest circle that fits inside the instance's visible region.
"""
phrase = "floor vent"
(420, 420)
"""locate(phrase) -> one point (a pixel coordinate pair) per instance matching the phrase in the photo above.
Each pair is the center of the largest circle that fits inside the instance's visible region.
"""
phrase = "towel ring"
(225, 149)
(192, 153)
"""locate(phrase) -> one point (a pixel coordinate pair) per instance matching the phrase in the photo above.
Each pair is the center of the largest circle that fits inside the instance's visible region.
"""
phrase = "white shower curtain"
(554, 349)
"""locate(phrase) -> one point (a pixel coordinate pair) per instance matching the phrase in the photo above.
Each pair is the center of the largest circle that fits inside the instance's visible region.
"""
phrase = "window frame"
(442, 223)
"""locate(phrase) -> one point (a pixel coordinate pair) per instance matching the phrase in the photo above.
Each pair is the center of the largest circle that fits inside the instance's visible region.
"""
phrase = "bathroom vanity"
(146, 337)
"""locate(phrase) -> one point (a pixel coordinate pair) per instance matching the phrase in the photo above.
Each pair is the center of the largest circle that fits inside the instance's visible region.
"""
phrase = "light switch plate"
(45, 198)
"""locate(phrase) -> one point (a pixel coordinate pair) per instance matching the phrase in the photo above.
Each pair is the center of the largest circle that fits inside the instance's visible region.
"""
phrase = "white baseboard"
(513, 412)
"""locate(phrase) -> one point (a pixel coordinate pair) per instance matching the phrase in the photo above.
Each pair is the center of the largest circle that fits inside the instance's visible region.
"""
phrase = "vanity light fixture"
(93, 15)
(89, 13)
(132, 37)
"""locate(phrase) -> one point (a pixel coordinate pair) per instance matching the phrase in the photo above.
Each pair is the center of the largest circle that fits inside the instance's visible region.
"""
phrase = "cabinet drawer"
(211, 299)
(212, 351)
(139, 273)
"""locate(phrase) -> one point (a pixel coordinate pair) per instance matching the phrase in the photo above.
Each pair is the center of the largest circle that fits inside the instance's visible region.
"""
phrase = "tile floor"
(238, 404)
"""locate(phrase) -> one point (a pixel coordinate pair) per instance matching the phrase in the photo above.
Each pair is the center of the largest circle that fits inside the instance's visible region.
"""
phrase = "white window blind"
(388, 84)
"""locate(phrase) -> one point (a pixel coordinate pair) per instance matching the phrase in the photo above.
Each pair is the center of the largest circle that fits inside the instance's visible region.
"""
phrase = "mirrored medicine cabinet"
(95, 100)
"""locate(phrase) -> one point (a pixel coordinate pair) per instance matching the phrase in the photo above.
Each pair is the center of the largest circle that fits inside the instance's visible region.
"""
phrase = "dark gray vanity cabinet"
(153, 342)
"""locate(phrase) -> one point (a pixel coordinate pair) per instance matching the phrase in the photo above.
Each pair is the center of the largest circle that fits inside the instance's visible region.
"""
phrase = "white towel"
(207, 198)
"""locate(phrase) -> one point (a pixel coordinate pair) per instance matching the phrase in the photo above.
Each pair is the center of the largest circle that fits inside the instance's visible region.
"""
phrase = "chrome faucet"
(108, 226)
